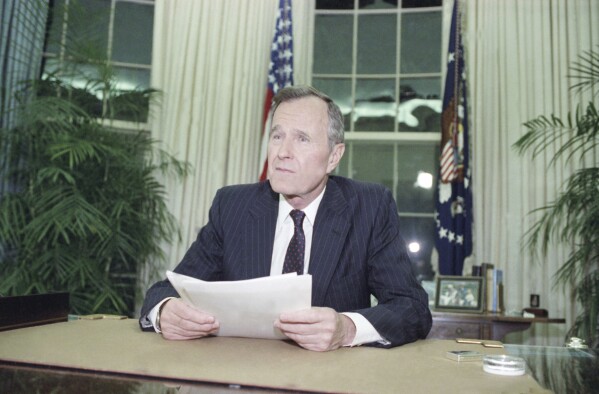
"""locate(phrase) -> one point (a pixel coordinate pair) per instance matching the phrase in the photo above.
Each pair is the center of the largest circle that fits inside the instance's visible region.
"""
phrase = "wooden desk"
(494, 326)
(119, 349)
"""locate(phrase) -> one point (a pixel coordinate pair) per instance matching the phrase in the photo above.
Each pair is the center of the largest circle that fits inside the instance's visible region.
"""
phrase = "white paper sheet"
(247, 308)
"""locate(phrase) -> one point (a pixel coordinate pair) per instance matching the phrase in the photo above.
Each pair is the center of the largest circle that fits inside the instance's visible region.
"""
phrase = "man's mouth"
(281, 169)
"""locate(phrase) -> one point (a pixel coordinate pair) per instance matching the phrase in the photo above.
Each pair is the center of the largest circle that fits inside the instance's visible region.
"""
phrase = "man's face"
(299, 158)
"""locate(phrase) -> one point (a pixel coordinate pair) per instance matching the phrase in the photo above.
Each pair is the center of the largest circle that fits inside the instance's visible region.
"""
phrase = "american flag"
(280, 72)
(454, 194)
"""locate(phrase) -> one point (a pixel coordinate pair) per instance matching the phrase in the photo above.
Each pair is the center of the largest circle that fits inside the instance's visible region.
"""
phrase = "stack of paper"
(246, 308)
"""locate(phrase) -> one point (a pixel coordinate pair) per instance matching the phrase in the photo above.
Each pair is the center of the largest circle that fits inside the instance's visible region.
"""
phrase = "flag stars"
(284, 24)
(451, 236)
(286, 54)
(451, 57)
(442, 232)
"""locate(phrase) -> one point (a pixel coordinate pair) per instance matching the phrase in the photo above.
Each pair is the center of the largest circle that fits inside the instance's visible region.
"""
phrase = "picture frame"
(460, 294)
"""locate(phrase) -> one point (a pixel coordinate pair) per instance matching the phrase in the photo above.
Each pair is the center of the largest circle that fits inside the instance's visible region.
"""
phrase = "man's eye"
(304, 139)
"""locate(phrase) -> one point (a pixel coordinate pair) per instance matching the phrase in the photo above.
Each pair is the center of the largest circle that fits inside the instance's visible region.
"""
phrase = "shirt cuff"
(154, 313)
(365, 331)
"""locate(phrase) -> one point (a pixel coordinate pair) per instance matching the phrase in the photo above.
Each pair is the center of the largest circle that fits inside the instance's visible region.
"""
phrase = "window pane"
(420, 105)
(421, 42)
(87, 33)
(376, 107)
(420, 3)
(340, 91)
(333, 44)
(128, 105)
(428, 88)
(378, 4)
(377, 43)
(368, 161)
(419, 235)
(417, 172)
(132, 40)
(334, 4)
(131, 78)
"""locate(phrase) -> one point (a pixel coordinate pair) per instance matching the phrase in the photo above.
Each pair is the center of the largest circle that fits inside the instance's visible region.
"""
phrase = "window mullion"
(354, 64)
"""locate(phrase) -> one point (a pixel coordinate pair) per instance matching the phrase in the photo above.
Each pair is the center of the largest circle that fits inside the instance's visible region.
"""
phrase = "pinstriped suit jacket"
(356, 250)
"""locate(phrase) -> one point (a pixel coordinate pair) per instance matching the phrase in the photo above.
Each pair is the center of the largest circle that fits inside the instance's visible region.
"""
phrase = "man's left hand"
(319, 329)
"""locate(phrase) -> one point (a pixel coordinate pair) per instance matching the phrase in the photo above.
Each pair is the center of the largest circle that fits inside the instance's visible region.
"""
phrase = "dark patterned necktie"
(294, 259)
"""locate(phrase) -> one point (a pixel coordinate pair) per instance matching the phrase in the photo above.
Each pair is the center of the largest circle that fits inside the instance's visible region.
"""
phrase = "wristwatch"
(158, 315)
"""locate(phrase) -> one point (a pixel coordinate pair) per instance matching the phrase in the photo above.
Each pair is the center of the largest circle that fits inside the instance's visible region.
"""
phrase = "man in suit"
(347, 237)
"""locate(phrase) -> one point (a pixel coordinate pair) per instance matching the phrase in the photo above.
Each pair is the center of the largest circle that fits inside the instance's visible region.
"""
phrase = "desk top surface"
(119, 348)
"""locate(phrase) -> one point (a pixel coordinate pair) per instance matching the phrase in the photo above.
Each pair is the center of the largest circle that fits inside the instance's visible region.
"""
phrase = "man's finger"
(312, 315)
(181, 321)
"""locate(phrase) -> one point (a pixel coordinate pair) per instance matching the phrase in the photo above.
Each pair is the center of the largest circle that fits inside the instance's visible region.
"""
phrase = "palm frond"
(586, 71)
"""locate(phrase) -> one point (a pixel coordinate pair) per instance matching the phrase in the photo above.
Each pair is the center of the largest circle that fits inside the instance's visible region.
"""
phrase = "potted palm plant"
(87, 210)
(573, 218)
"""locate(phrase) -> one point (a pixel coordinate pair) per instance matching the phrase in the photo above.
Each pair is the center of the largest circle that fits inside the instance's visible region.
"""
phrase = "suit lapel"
(330, 232)
(260, 231)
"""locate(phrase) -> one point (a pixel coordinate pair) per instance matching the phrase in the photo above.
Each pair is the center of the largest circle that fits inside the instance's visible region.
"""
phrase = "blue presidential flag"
(454, 194)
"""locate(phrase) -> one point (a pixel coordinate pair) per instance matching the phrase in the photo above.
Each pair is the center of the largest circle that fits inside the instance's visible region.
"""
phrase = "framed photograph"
(460, 294)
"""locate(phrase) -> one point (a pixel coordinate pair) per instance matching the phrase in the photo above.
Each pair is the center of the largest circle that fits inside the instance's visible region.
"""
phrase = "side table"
(494, 326)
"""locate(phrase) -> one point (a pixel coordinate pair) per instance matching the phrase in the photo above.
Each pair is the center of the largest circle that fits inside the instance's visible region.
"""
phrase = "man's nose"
(285, 149)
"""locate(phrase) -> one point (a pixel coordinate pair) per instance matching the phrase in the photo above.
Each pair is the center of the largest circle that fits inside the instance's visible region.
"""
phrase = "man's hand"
(319, 329)
(179, 321)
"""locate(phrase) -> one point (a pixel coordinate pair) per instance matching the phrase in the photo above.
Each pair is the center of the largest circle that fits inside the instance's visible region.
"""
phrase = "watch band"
(158, 315)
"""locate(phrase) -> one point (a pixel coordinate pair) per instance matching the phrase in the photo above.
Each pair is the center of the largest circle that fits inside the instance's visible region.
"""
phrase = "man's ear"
(335, 157)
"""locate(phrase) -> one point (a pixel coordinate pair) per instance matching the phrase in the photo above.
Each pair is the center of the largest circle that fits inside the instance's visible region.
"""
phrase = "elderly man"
(343, 232)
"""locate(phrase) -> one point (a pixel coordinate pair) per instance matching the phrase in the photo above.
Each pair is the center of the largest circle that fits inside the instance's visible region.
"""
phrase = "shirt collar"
(310, 210)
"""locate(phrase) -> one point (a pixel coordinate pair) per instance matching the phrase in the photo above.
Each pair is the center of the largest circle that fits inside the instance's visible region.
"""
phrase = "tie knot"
(298, 217)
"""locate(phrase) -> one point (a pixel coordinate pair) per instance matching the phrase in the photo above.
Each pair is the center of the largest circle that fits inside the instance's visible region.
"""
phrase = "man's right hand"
(179, 321)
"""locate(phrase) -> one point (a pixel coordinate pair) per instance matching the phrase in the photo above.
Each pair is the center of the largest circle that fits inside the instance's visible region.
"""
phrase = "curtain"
(21, 44)
(210, 61)
(518, 54)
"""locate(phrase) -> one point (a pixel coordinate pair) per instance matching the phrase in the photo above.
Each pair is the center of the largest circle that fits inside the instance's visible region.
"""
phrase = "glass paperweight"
(504, 365)
(576, 343)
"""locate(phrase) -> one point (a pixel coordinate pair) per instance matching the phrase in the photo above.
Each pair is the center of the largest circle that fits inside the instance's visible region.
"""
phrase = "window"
(83, 34)
(381, 61)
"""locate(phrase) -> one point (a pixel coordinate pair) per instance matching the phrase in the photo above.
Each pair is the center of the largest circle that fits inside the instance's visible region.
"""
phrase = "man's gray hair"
(335, 132)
